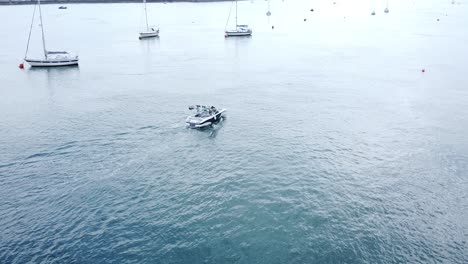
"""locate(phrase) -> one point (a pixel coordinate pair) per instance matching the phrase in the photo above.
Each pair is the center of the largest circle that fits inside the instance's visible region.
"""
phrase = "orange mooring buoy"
(21, 66)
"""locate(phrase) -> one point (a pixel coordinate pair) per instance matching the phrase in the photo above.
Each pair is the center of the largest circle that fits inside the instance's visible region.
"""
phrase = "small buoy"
(423, 70)
(312, 10)
(268, 13)
(305, 19)
(21, 66)
(437, 19)
(334, 3)
(272, 27)
(373, 13)
(386, 10)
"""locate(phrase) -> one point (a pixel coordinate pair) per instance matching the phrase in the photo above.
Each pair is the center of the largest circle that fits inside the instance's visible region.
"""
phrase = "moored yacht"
(240, 30)
(54, 58)
(51, 58)
(149, 32)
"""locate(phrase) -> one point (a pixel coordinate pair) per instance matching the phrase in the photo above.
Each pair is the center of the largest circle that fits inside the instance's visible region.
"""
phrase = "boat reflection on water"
(56, 73)
(55, 78)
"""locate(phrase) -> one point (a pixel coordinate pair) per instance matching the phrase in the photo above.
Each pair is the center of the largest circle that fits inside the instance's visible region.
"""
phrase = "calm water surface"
(336, 149)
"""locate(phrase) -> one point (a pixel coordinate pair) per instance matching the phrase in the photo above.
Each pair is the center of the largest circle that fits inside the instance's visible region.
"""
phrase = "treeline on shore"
(30, 2)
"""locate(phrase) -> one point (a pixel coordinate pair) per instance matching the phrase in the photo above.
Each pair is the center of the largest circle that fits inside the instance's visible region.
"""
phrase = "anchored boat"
(149, 32)
(240, 30)
(54, 58)
(51, 58)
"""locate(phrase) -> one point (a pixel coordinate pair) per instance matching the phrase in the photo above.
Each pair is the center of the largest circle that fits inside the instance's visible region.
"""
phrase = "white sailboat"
(240, 30)
(149, 31)
(386, 10)
(51, 58)
(268, 13)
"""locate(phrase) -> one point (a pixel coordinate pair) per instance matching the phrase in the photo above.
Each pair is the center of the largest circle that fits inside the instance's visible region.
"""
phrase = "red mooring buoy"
(21, 66)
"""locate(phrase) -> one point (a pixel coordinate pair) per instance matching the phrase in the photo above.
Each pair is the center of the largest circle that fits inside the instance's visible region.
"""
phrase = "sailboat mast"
(42, 29)
(146, 16)
(236, 14)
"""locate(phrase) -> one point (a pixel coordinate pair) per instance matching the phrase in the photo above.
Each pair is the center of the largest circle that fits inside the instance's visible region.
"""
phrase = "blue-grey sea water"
(336, 148)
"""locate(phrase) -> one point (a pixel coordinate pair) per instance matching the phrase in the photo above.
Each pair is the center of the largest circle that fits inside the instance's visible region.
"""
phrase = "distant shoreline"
(65, 2)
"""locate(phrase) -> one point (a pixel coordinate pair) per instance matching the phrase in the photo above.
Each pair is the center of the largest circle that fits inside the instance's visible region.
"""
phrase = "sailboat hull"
(238, 33)
(51, 63)
(150, 34)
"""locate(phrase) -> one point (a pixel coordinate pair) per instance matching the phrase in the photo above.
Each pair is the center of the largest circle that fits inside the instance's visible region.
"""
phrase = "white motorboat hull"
(149, 34)
(205, 122)
(238, 33)
(52, 63)
(200, 126)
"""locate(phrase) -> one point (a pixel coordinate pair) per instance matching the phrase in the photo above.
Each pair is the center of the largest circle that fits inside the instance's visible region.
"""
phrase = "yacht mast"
(146, 16)
(236, 14)
(42, 29)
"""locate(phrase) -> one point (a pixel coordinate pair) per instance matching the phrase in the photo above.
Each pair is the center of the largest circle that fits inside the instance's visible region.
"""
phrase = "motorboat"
(62, 7)
(54, 58)
(204, 116)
